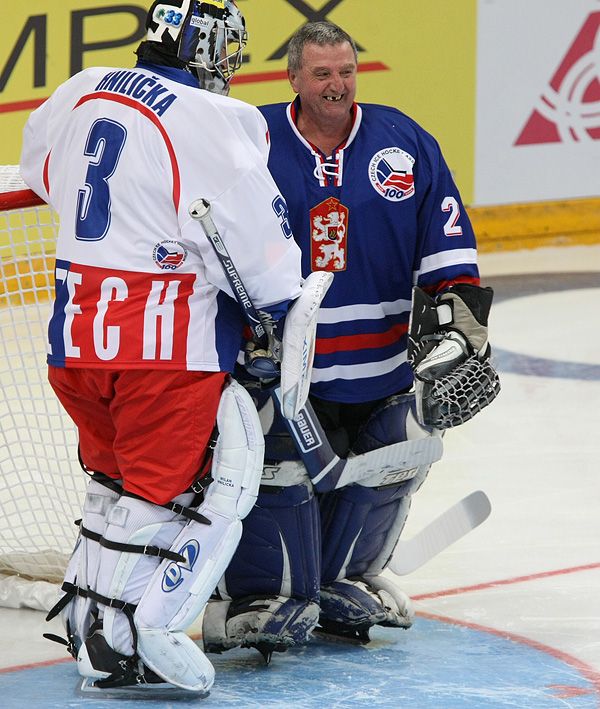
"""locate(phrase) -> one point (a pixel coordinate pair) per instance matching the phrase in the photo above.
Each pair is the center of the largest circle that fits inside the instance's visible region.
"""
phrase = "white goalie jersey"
(120, 154)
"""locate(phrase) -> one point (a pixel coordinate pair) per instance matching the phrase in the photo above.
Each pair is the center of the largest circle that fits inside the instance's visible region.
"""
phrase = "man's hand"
(265, 364)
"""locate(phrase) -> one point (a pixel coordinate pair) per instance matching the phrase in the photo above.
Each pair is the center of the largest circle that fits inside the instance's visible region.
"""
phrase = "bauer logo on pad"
(305, 432)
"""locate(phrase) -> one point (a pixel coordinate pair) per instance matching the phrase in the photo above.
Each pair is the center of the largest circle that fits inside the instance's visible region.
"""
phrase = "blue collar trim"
(170, 72)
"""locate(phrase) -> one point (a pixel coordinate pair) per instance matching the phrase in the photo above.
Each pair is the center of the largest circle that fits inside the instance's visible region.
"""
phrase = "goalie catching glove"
(449, 352)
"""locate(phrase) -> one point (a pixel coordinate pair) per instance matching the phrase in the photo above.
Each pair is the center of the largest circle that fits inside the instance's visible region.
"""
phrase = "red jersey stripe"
(328, 345)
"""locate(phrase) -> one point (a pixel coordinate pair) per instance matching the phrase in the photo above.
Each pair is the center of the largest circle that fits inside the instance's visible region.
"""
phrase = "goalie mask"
(207, 38)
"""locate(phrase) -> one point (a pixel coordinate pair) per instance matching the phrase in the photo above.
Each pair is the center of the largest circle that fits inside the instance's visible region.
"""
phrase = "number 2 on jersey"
(104, 145)
(451, 227)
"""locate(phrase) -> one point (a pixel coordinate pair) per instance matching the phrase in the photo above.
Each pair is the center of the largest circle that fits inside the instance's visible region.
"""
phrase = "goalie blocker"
(450, 355)
(263, 355)
(290, 348)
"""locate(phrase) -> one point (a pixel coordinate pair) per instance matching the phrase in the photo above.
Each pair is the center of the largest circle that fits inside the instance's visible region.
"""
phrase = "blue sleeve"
(447, 250)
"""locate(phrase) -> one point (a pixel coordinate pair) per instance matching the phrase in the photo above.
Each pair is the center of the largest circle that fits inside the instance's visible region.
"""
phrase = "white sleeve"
(35, 150)
(268, 262)
(248, 211)
(40, 133)
(251, 213)
(254, 125)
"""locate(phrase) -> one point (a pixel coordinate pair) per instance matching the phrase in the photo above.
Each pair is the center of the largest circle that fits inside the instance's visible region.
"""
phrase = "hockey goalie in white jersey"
(145, 330)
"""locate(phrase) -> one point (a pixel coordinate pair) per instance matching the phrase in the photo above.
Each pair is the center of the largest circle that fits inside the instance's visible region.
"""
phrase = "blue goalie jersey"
(383, 214)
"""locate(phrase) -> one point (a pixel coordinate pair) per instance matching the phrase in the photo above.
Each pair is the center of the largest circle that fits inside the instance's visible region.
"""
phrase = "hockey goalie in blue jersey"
(401, 355)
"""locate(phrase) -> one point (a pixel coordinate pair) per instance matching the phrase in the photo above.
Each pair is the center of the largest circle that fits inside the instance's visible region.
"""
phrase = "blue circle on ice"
(434, 665)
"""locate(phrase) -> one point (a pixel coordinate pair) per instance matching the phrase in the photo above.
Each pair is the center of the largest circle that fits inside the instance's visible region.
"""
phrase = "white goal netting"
(41, 483)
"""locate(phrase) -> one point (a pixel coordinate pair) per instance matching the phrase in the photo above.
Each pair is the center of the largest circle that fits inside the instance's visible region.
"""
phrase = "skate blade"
(164, 691)
(357, 638)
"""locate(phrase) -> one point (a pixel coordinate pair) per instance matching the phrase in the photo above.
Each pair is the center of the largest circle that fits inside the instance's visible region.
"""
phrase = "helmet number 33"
(173, 18)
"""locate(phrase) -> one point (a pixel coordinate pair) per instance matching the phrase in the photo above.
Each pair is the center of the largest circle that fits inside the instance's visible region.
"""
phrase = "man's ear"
(292, 79)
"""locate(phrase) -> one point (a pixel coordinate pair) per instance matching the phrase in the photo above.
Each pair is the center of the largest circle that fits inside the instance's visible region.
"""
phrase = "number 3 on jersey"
(104, 145)
(281, 210)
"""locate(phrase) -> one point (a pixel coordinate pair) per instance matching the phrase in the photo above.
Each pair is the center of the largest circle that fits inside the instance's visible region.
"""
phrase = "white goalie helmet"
(207, 37)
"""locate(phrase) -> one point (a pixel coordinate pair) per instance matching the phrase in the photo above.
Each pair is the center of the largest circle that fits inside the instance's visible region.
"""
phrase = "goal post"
(41, 484)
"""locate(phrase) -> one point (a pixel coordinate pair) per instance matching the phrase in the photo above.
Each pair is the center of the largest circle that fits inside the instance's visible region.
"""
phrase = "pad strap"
(71, 591)
(112, 602)
(148, 549)
(202, 482)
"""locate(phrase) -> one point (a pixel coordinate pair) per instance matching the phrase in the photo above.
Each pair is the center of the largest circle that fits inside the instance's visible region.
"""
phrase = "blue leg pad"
(279, 552)
(356, 522)
(273, 579)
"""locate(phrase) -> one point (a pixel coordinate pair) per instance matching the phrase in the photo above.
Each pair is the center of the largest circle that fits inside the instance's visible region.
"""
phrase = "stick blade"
(449, 527)
(390, 460)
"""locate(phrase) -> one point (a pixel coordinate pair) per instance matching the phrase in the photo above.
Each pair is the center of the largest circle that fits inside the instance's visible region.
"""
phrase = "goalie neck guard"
(205, 38)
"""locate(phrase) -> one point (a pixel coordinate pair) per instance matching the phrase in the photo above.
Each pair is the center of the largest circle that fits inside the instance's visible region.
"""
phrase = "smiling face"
(326, 82)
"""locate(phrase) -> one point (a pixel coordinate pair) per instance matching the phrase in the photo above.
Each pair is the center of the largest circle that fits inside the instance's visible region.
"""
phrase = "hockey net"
(41, 484)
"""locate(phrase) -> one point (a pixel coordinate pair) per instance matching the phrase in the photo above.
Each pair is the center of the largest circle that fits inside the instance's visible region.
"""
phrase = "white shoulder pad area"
(299, 343)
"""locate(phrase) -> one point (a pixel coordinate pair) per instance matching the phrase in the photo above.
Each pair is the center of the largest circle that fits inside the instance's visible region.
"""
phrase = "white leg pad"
(238, 456)
(176, 596)
(125, 575)
(189, 668)
(82, 569)
(178, 592)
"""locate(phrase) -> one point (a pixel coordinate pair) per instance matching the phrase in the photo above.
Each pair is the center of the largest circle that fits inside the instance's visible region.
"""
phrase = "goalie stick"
(200, 210)
(265, 365)
(449, 527)
(328, 471)
(325, 469)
